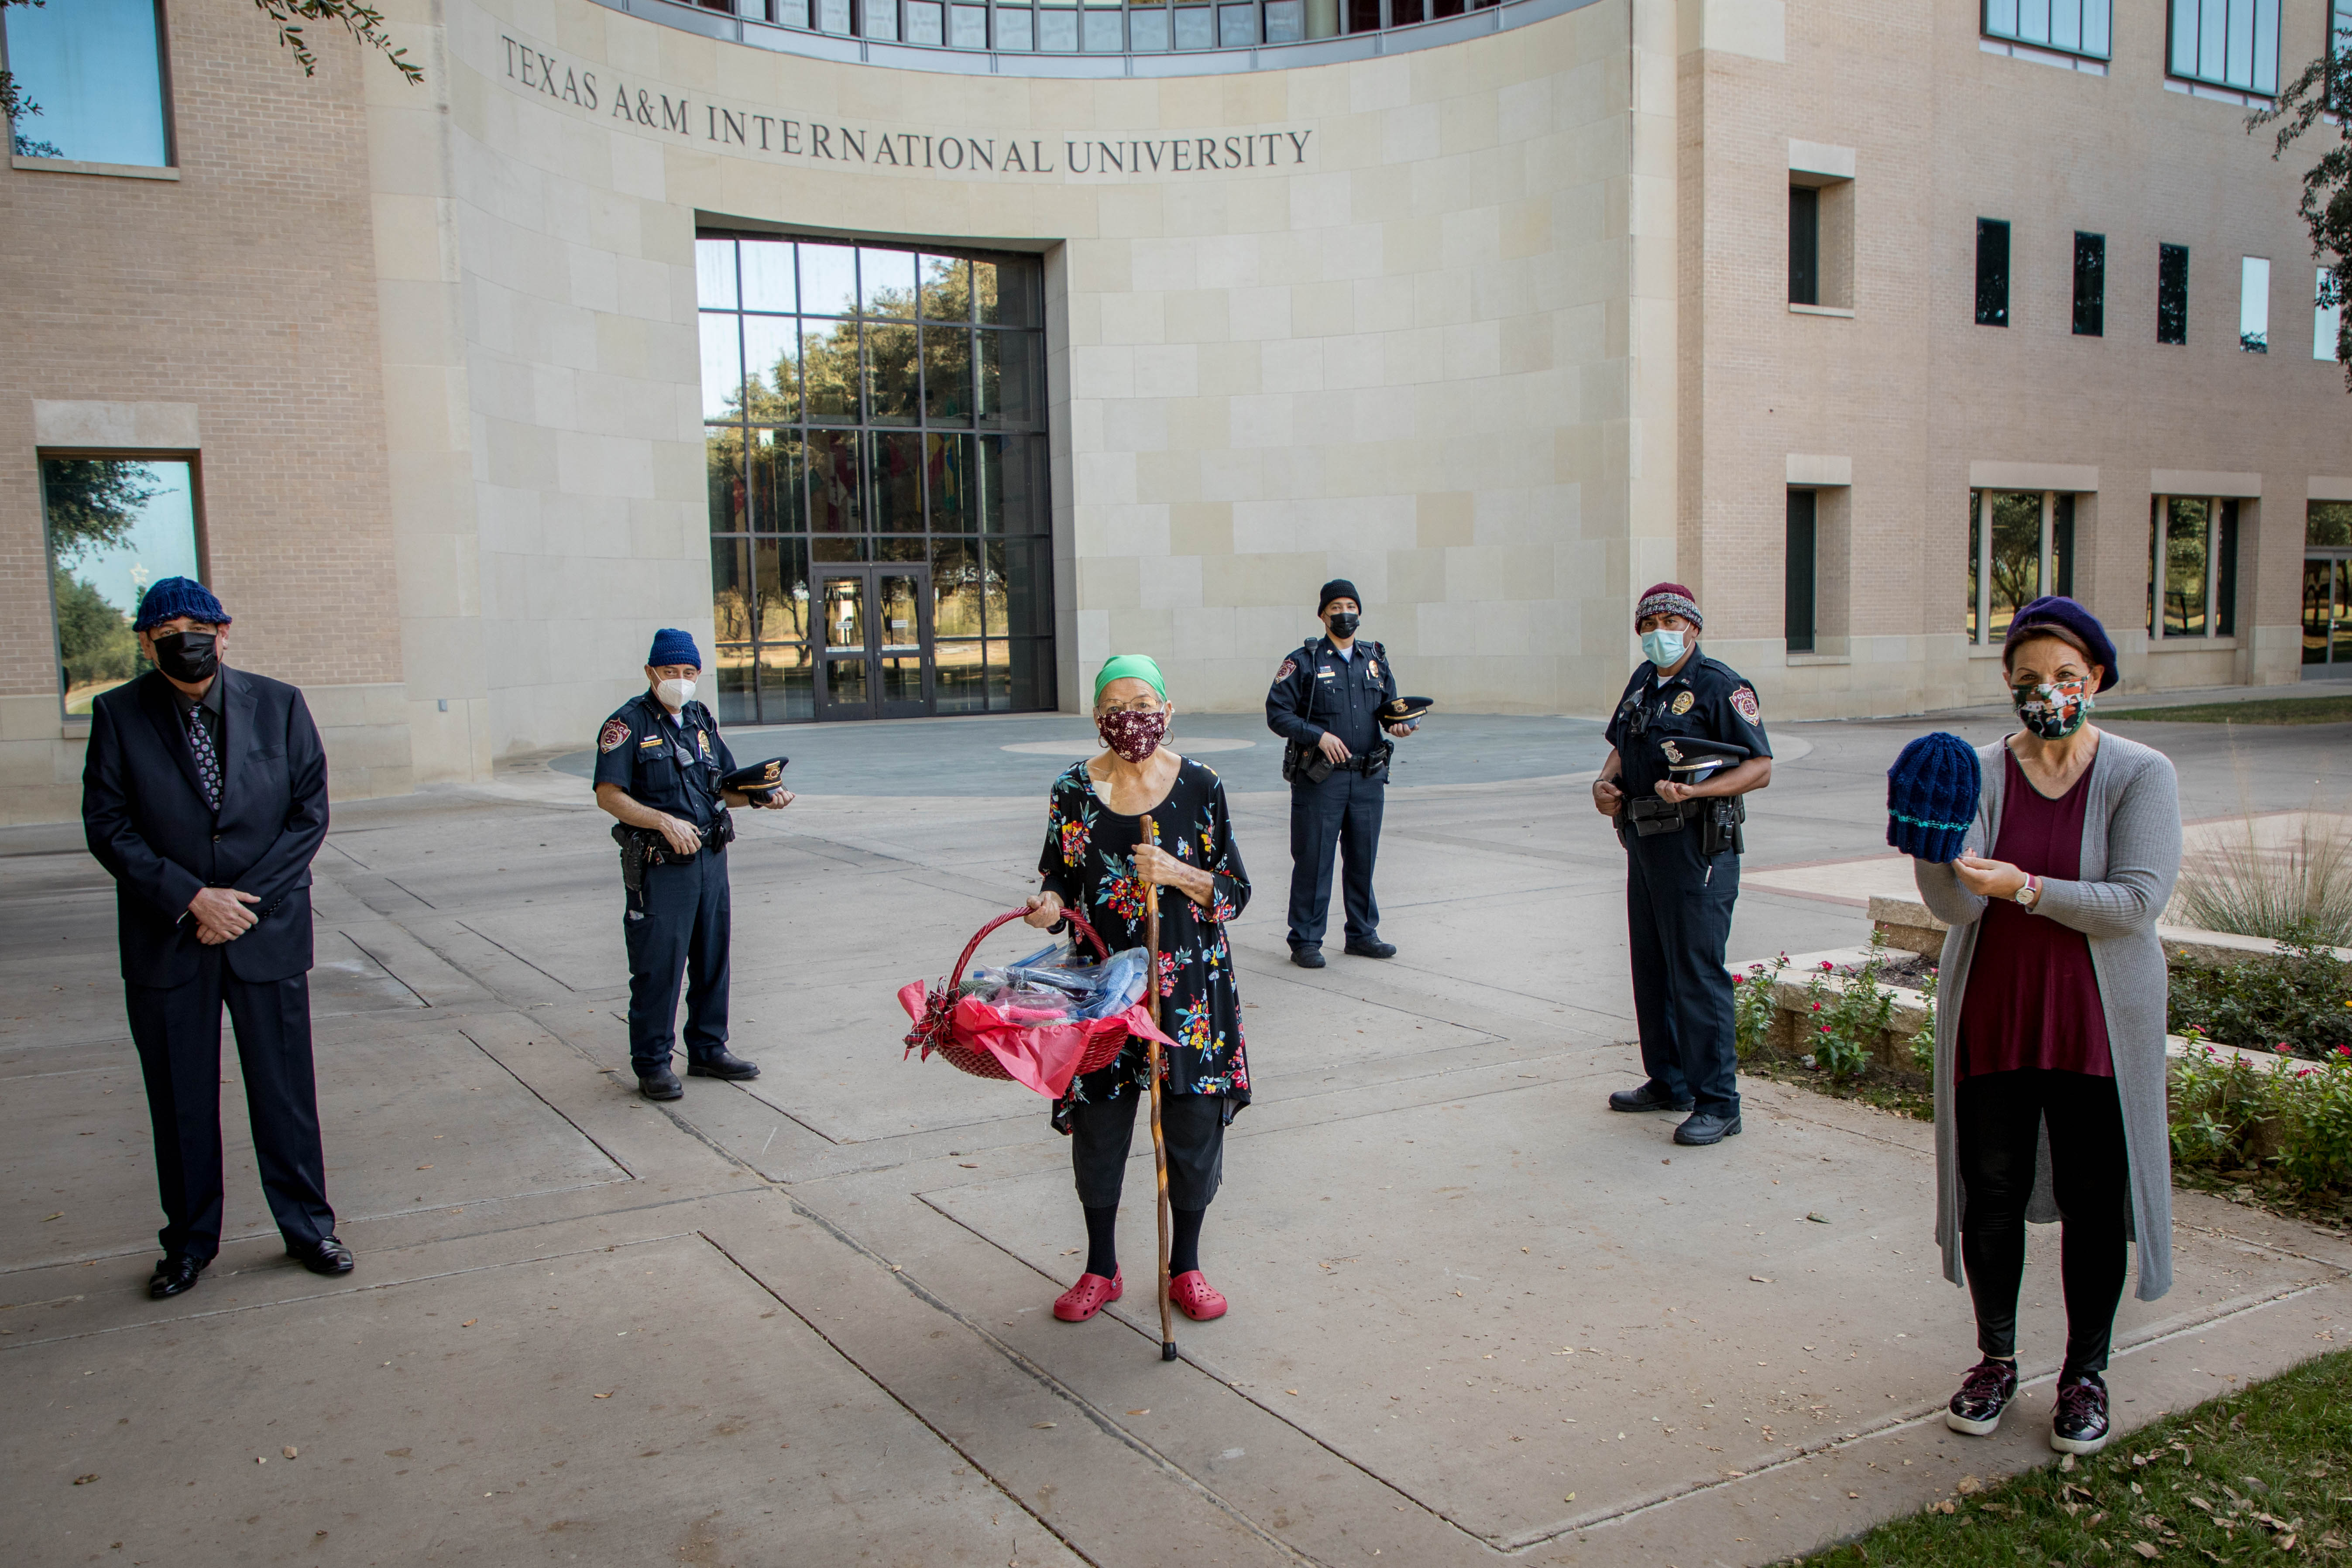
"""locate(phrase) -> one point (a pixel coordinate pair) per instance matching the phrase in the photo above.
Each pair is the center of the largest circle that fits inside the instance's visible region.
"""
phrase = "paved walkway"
(1477, 1318)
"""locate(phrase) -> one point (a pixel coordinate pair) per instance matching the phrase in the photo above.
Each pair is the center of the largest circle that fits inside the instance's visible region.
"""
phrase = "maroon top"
(2033, 999)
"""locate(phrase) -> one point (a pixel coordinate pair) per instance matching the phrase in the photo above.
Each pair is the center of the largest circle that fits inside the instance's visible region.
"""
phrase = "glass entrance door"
(875, 660)
(2327, 615)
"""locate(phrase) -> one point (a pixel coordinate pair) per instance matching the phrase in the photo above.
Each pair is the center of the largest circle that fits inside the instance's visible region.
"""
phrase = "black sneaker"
(1984, 1394)
(2079, 1425)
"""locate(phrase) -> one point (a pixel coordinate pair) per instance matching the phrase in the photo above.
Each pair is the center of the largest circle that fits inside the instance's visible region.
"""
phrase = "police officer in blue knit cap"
(1671, 783)
(659, 763)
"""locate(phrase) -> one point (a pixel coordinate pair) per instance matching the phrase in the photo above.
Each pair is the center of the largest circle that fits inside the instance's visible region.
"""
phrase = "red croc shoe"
(1091, 1295)
(1196, 1297)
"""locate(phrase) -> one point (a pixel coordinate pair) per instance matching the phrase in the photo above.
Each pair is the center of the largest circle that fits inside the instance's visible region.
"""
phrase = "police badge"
(1683, 702)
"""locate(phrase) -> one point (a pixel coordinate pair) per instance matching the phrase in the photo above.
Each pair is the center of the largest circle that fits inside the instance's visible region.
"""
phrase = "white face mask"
(675, 694)
(1662, 647)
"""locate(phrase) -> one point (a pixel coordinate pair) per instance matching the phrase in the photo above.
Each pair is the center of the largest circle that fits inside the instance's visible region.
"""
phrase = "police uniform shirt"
(670, 765)
(1318, 689)
(1704, 699)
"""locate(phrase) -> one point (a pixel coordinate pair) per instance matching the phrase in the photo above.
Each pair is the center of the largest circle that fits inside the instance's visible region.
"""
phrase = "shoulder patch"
(1683, 703)
(1289, 668)
(1743, 702)
(617, 730)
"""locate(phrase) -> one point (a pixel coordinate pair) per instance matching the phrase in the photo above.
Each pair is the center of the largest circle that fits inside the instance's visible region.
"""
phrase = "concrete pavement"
(1477, 1318)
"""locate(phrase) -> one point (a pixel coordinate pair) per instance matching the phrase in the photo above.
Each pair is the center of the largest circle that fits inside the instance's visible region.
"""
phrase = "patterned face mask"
(2054, 711)
(1134, 736)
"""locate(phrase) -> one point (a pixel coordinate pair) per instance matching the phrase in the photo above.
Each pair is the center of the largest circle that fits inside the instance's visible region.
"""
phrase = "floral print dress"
(1089, 860)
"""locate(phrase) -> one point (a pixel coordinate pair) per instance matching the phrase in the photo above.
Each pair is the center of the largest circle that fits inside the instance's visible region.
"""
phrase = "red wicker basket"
(934, 1034)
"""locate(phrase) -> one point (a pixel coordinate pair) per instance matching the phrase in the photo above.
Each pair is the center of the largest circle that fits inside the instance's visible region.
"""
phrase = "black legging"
(2000, 1122)
(1193, 1124)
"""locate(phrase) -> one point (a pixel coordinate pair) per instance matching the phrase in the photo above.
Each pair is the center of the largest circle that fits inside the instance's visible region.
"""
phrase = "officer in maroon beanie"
(1687, 741)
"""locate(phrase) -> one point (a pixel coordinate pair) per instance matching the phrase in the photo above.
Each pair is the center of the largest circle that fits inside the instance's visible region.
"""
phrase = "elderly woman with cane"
(1118, 828)
(2057, 853)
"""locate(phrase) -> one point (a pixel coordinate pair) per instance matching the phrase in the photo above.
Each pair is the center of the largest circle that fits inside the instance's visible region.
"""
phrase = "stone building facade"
(1496, 312)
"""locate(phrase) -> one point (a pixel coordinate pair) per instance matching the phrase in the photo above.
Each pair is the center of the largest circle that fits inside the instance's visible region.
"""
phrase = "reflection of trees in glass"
(2328, 522)
(2184, 570)
(93, 504)
(2016, 554)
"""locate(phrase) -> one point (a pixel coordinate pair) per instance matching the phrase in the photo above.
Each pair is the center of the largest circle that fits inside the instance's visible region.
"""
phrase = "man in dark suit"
(205, 795)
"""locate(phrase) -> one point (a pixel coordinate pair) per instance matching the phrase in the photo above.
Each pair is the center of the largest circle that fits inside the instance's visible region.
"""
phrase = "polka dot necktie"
(208, 773)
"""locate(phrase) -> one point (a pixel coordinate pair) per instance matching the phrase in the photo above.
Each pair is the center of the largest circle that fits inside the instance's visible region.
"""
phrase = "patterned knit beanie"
(1669, 599)
(1931, 797)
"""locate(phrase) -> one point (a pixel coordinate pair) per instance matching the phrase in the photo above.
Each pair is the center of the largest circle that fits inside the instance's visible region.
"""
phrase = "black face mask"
(189, 656)
(1343, 625)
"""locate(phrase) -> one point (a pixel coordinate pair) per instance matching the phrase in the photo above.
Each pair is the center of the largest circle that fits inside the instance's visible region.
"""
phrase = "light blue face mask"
(1663, 649)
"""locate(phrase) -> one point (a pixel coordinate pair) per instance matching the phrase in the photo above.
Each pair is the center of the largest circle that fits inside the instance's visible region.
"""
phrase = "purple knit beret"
(2067, 616)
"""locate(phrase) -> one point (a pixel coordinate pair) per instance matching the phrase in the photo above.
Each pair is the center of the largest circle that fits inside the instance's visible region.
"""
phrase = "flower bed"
(2272, 1125)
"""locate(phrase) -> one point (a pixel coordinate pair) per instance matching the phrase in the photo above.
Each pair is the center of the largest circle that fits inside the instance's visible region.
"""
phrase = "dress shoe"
(1375, 948)
(176, 1273)
(1706, 1128)
(726, 1065)
(1649, 1097)
(1307, 957)
(660, 1084)
(325, 1255)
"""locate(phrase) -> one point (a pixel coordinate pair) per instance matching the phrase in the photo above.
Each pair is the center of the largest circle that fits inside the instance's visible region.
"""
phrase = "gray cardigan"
(2131, 852)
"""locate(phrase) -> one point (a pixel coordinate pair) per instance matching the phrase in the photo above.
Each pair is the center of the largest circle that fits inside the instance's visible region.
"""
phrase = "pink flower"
(1825, 1028)
(2283, 1049)
(1738, 978)
(1827, 966)
(2345, 1050)
(1817, 1006)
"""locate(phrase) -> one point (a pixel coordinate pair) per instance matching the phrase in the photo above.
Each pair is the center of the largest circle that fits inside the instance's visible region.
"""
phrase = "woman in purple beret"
(2049, 1075)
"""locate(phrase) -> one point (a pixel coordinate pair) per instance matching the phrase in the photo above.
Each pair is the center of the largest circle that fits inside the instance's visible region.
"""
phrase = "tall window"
(2172, 293)
(1992, 272)
(2327, 318)
(2090, 285)
(2075, 26)
(2327, 586)
(874, 421)
(95, 70)
(2227, 43)
(115, 526)
(2020, 547)
(1804, 246)
(2194, 556)
(1799, 573)
(2255, 305)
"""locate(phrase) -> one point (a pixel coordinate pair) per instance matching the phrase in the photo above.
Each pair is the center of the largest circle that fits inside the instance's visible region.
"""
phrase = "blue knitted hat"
(168, 598)
(1931, 797)
(674, 647)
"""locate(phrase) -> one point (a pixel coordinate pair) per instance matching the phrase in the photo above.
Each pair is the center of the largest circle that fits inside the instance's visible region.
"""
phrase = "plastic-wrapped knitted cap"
(1931, 797)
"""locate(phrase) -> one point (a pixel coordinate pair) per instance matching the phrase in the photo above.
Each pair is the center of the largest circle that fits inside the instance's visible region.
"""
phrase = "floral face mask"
(1134, 736)
(2056, 711)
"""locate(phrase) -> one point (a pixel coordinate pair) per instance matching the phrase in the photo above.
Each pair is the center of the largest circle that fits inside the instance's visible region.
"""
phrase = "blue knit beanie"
(674, 647)
(1931, 797)
(168, 598)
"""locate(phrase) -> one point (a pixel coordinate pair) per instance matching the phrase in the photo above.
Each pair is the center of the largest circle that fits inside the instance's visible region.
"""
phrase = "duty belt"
(1653, 816)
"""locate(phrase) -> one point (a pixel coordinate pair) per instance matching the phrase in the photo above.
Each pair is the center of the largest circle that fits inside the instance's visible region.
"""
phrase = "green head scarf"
(1131, 667)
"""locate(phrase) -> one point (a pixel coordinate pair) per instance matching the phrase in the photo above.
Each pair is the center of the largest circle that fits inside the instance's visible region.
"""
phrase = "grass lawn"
(2255, 1477)
(2262, 711)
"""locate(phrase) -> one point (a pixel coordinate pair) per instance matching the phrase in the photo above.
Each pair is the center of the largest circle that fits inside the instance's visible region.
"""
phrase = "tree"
(362, 21)
(93, 502)
(2321, 97)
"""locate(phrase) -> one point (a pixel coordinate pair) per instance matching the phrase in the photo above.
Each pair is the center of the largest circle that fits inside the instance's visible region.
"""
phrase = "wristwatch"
(2029, 894)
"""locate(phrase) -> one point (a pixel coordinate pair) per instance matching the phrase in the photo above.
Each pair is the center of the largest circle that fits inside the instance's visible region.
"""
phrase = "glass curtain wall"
(875, 405)
(1106, 26)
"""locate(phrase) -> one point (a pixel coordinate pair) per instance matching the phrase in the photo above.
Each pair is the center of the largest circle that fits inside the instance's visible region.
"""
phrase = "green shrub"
(1751, 1008)
(2301, 998)
(2292, 1120)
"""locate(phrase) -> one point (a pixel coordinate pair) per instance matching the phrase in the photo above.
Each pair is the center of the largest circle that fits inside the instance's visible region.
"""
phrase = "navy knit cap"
(1931, 797)
(1338, 588)
(674, 647)
(168, 598)
(2067, 616)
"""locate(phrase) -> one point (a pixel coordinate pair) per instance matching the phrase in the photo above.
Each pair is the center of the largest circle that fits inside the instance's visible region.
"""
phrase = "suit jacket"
(145, 819)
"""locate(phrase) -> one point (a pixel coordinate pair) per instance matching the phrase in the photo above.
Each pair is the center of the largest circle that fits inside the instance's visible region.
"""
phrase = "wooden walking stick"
(1158, 1139)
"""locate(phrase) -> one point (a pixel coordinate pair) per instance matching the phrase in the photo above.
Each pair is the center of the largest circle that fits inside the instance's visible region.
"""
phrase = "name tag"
(1323, 674)
(651, 744)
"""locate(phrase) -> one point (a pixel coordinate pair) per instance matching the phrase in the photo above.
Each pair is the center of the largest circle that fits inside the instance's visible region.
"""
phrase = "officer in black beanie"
(1324, 702)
